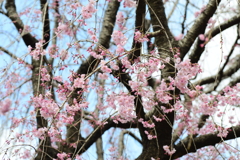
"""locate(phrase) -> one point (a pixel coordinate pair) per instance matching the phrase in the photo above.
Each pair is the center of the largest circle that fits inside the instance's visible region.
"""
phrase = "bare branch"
(88, 66)
(121, 145)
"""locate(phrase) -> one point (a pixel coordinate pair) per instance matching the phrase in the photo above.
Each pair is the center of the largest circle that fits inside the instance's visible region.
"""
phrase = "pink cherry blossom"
(120, 20)
(179, 37)
(63, 54)
(79, 82)
(5, 106)
(89, 10)
(119, 38)
(119, 49)
(45, 75)
(62, 156)
(201, 37)
(64, 29)
(140, 38)
(128, 3)
(103, 76)
(114, 66)
(168, 151)
(93, 35)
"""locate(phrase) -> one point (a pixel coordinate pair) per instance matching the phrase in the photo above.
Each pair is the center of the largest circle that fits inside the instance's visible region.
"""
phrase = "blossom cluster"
(35, 53)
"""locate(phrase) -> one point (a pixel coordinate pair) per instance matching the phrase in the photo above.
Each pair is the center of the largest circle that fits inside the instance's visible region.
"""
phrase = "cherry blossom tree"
(106, 76)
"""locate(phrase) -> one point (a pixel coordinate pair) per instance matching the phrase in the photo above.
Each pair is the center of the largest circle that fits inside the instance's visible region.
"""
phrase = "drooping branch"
(204, 140)
(201, 123)
(220, 73)
(104, 38)
(124, 78)
(46, 151)
(136, 47)
(99, 143)
(73, 132)
(16, 88)
(198, 27)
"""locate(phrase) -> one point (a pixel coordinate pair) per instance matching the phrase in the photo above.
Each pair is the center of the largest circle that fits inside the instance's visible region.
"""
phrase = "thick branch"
(198, 49)
(204, 140)
(97, 133)
(235, 81)
(198, 27)
(153, 34)
(159, 21)
(218, 29)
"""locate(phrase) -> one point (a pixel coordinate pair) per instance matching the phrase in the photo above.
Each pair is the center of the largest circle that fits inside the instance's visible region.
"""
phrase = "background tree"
(72, 71)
